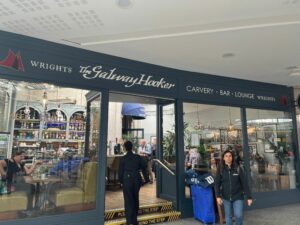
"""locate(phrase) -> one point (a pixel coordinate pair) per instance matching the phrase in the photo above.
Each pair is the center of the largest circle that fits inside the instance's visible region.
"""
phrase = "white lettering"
(222, 92)
(52, 67)
(243, 95)
(202, 90)
(266, 98)
(89, 72)
(210, 179)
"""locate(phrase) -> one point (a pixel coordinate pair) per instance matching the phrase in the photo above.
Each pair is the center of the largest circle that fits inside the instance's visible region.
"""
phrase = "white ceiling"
(254, 39)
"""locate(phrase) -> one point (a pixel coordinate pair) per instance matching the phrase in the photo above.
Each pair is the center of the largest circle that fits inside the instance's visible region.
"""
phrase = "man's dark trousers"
(131, 188)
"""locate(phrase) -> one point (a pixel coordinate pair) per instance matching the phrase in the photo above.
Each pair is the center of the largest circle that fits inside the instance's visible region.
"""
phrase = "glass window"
(208, 131)
(169, 135)
(270, 150)
(47, 167)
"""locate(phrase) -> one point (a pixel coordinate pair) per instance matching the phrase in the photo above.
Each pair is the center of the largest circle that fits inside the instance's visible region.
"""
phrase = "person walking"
(230, 187)
(129, 176)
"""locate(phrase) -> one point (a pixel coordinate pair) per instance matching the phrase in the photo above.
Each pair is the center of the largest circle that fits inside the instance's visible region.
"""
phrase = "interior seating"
(13, 202)
(84, 191)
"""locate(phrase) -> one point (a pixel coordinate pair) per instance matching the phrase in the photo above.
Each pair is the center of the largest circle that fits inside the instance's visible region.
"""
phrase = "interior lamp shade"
(135, 110)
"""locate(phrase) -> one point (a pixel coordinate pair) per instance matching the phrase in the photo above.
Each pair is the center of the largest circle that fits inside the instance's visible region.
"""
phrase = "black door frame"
(164, 190)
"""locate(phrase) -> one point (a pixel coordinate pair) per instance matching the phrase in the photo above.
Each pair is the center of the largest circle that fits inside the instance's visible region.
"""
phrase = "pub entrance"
(138, 118)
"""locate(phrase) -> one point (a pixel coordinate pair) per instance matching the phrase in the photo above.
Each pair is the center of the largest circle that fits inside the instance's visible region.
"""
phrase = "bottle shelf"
(27, 140)
(28, 146)
(48, 130)
(27, 129)
(27, 120)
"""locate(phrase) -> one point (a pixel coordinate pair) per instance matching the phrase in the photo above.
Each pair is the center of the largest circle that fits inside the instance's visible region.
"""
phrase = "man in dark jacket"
(129, 176)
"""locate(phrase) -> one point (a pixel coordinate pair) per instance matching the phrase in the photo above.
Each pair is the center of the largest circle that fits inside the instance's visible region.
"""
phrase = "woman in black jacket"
(230, 186)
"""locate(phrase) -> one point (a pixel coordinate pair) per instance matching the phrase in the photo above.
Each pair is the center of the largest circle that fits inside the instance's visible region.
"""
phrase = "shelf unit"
(77, 126)
(4, 144)
(27, 126)
(37, 131)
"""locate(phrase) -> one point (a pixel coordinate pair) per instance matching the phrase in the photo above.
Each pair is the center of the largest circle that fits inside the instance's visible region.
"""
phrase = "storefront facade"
(248, 104)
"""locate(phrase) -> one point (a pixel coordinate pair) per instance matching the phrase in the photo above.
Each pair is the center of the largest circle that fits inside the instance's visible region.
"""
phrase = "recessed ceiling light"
(228, 55)
(291, 67)
(295, 72)
(124, 3)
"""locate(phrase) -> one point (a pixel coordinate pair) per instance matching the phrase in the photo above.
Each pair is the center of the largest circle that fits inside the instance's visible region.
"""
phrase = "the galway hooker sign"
(97, 72)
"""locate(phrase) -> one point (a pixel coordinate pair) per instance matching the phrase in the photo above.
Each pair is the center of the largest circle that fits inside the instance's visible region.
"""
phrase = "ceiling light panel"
(69, 3)
(86, 18)
(52, 23)
(29, 6)
(19, 26)
(5, 11)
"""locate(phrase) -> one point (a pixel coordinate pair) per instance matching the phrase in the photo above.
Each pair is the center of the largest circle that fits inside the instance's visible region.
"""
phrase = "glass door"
(166, 185)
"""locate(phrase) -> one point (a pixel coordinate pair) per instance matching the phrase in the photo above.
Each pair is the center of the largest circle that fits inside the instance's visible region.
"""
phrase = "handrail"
(164, 166)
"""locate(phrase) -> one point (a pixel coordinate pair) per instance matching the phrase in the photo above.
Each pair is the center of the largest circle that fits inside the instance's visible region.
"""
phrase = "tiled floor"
(282, 215)
(114, 199)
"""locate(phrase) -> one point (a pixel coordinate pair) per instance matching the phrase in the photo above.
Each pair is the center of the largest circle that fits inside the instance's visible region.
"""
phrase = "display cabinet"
(77, 126)
(38, 131)
(27, 125)
(55, 126)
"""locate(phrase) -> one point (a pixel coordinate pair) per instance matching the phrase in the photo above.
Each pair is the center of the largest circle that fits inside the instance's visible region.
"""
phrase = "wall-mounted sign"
(33, 59)
(242, 94)
(70, 70)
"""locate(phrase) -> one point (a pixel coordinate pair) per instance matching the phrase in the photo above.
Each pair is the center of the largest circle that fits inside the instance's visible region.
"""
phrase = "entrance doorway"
(137, 118)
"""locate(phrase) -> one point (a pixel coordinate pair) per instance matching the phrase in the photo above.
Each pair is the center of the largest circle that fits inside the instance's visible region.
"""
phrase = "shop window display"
(209, 131)
(48, 125)
(270, 150)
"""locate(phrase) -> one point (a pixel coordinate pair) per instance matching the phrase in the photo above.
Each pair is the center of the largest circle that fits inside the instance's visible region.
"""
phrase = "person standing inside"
(145, 151)
(153, 155)
(230, 187)
(129, 176)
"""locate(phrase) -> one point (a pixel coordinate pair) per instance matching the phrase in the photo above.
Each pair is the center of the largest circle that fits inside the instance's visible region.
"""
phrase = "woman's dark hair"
(222, 164)
(18, 153)
(128, 145)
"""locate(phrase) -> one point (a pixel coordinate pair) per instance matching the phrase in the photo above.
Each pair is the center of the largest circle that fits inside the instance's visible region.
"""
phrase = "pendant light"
(198, 126)
(44, 115)
(58, 112)
(81, 103)
(230, 126)
(27, 109)
(45, 101)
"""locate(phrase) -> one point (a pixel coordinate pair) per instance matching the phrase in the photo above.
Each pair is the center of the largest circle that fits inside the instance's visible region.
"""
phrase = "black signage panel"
(69, 70)
(240, 94)
(25, 58)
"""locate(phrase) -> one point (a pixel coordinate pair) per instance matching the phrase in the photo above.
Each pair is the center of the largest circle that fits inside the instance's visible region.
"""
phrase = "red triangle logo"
(13, 61)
